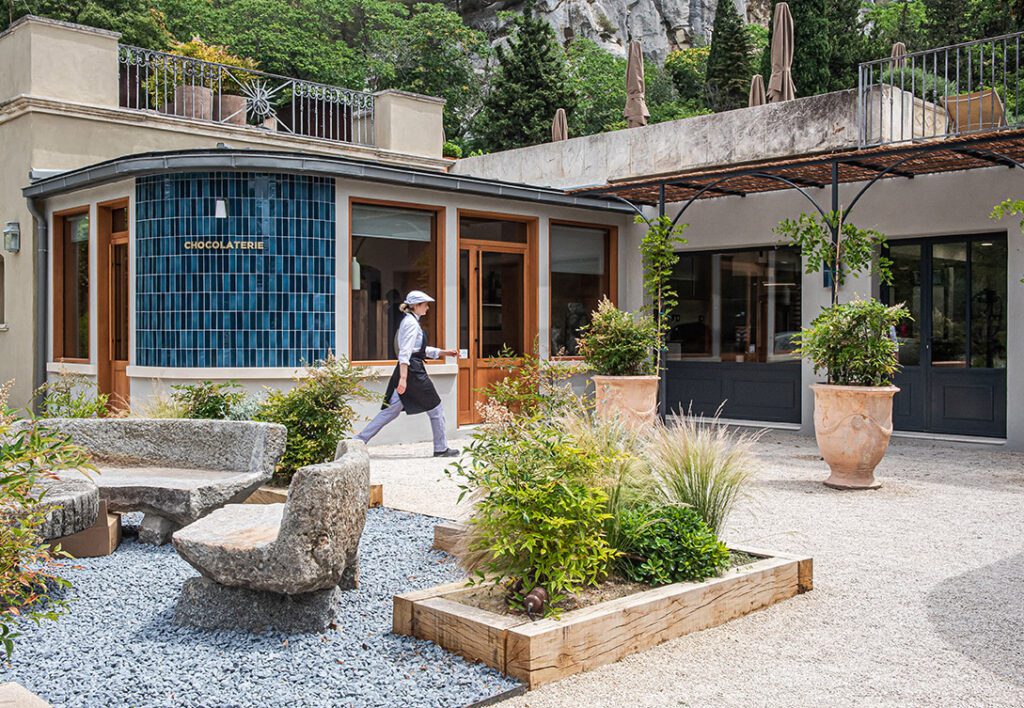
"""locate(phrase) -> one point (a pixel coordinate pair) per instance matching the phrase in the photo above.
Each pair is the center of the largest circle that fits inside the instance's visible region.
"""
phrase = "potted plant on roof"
(854, 345)
(202, 89)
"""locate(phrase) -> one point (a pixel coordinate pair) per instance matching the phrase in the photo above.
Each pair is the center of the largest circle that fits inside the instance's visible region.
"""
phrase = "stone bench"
(175, 471)
(279, 566)
(73, 505)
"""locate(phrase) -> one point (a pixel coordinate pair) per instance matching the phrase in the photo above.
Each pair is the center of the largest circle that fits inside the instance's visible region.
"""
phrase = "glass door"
(954, 350)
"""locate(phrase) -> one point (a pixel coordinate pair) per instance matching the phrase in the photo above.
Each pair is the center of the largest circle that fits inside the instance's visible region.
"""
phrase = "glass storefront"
(580, 277)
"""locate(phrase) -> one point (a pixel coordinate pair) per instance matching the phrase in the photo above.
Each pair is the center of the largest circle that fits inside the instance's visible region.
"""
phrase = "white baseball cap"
(415, 297)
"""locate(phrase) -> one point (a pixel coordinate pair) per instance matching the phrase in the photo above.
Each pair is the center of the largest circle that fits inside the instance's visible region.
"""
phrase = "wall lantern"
(12, 237)
(220, 209)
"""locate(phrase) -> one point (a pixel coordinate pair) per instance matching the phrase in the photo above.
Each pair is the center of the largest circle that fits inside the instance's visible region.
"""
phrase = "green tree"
(530, 84)
(599, 81)
(689, 69)
(811, 46)
(847, 47)
(728, 77)
(138, 21)
(891, 22)
(946, 22)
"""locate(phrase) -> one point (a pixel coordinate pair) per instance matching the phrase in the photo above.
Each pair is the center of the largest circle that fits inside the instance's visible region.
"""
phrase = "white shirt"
(409, 339)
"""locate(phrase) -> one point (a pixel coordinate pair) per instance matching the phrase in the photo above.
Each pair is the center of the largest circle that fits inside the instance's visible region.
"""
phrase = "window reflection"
(988, 304)
(906, 289)
(580, 277)
(738, 306)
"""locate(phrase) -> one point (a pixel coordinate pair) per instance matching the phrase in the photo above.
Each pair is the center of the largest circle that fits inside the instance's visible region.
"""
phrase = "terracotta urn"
(631, 399)
(853, 425)
(192, 102)
(230, 109)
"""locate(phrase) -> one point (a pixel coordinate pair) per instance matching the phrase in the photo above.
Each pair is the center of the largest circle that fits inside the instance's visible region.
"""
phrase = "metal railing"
(190, 88)
(937, 93)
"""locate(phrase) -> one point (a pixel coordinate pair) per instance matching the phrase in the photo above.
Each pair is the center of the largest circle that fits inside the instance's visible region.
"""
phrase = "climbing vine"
(1009, 207)
(658, 250)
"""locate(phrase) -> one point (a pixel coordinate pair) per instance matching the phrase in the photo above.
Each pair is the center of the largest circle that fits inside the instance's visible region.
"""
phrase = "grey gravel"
(119, 645)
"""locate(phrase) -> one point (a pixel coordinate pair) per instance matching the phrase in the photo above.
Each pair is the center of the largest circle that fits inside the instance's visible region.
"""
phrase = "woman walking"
(410, 389)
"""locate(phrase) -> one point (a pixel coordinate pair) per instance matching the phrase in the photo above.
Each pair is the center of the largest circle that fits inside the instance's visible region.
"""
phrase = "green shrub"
(852, 342)
(317, 412)
(540, 510)
(615, 343)
(72, 396)
(27, 564)
(533, 387)
(688, 68)
(451, 149)
(923, 83)
(703, 465)
(207, 400)
(668, 544)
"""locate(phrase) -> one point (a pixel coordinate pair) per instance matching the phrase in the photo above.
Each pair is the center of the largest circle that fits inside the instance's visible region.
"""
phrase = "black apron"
(419, 396)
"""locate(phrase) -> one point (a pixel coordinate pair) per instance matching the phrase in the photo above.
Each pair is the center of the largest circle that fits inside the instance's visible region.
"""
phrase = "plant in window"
(72, 396)
(1009, 207)
(29, 585)
(317, 412)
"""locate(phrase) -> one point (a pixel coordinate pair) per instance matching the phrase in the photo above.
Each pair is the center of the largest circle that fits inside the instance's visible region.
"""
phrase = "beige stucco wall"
(933, 205)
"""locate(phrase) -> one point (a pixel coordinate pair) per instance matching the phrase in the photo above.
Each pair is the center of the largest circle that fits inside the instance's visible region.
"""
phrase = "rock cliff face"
(660, 25)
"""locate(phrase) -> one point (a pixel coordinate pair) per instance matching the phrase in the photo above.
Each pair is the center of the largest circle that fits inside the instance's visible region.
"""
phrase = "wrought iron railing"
(200, 90)
(957, 90)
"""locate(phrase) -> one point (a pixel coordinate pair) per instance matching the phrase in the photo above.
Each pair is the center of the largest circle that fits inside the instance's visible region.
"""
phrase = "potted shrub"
(620, 349)
(195, 84)
(854, 345)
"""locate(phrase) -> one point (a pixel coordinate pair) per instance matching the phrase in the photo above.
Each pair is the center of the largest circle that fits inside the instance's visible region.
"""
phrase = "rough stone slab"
(298, 547)
(14, 695)
(204, 603)
(156, 530)
(74, 505)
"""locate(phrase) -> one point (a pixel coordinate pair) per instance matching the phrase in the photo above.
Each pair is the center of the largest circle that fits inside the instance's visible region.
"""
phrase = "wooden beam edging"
(550, 649)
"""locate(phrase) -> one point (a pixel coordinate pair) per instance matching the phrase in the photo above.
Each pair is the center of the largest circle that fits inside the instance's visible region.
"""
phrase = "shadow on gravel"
(981, 614)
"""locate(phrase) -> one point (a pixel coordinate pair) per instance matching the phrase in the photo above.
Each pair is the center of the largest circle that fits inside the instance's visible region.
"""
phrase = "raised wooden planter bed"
(549, 649)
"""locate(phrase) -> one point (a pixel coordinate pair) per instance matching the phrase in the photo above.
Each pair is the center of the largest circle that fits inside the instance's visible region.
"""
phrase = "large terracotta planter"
(229, 109)
(631, 399)
(853, 425)
(192, 102)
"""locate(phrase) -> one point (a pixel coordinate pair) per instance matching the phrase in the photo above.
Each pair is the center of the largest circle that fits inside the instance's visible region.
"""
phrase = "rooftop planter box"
(550, 649)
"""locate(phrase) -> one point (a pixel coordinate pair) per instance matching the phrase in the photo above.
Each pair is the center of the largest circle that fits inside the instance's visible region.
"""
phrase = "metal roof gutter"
(142, 165)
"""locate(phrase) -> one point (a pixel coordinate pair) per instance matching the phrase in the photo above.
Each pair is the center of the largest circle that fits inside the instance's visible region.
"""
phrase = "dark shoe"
(448, 453)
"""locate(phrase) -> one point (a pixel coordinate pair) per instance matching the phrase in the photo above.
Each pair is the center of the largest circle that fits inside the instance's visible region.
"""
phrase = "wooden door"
(493, 318)
(113, 323)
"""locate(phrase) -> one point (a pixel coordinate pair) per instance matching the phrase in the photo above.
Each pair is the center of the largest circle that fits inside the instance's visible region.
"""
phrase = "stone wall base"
(209, 605)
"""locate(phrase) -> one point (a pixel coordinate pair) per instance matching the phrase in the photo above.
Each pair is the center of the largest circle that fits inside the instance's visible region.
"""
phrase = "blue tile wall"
(234, 308)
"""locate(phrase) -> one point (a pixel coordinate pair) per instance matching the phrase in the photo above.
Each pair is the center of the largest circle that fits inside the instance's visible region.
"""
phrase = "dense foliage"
(533, 386)
(1009, 207)
(72, 396)
(728, 68)
(665, 544)
(659, 256)
(530, 83)
(317, 412)
(615, 343)
(540, 509)
(29, 585)
(208, 399)
(853, 342)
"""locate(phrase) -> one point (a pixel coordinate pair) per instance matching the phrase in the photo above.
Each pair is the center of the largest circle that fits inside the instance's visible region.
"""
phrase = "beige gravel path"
(918, 600)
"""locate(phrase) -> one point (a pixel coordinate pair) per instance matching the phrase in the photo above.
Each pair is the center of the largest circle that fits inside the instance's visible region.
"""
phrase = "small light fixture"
(357, 274)
(220, 209)
(12, 237)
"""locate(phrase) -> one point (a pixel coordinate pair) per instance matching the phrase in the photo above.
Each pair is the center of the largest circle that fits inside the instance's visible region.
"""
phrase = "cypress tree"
(812, 50)
(531, 83)
(946, 22)
(848, 46)
(728, 77)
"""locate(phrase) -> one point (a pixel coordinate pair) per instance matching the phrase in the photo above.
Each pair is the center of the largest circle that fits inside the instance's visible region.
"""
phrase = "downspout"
(42, 273)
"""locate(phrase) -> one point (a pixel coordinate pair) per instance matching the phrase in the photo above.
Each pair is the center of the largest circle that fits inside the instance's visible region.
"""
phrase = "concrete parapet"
(408, 123)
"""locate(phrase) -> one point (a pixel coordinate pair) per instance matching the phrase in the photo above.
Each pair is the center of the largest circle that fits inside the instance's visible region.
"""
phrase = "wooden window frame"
(105, 237)
(612, 270)
(439, 256)
(57, 262)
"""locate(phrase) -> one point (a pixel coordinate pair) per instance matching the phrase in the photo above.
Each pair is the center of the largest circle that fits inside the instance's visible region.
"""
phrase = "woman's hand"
(450, 352)
(401, 387)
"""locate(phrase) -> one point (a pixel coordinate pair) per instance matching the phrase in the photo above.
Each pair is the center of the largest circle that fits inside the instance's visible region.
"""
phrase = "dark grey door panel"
(750, 391)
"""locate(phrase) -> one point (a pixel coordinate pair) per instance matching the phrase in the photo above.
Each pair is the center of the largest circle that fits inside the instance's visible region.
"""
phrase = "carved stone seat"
(174, 471)
(279, 565)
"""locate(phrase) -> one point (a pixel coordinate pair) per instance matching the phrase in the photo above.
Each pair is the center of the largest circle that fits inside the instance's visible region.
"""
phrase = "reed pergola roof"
(966, 152)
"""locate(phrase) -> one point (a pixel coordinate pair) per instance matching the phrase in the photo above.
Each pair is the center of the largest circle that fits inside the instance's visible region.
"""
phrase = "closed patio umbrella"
(757, 97)
(636, 113)
(899, 53)
(780, 85)
(559, 126)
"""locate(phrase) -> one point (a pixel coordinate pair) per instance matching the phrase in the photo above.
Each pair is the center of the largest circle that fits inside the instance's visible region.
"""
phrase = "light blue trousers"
(394, 409)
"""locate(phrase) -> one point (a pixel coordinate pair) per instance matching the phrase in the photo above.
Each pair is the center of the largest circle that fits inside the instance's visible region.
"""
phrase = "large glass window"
(737, 306)
(394, 250)
(580, 277)
(72, 278)
(988, 303)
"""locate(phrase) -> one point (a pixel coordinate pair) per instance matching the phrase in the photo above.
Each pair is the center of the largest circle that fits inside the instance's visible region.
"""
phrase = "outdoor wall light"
(220, 209)
(12, 237)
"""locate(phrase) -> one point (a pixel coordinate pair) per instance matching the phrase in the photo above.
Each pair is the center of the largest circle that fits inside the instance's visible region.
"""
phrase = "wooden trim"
(440, 238)
(57, 290)
(106, 238)
(611, 269)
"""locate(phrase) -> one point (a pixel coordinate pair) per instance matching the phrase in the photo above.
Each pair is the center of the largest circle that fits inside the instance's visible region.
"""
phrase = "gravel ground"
(118, 646)
(918, 599)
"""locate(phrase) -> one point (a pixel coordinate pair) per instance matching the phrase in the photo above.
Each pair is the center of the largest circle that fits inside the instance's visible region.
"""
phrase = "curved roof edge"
(130, 166)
